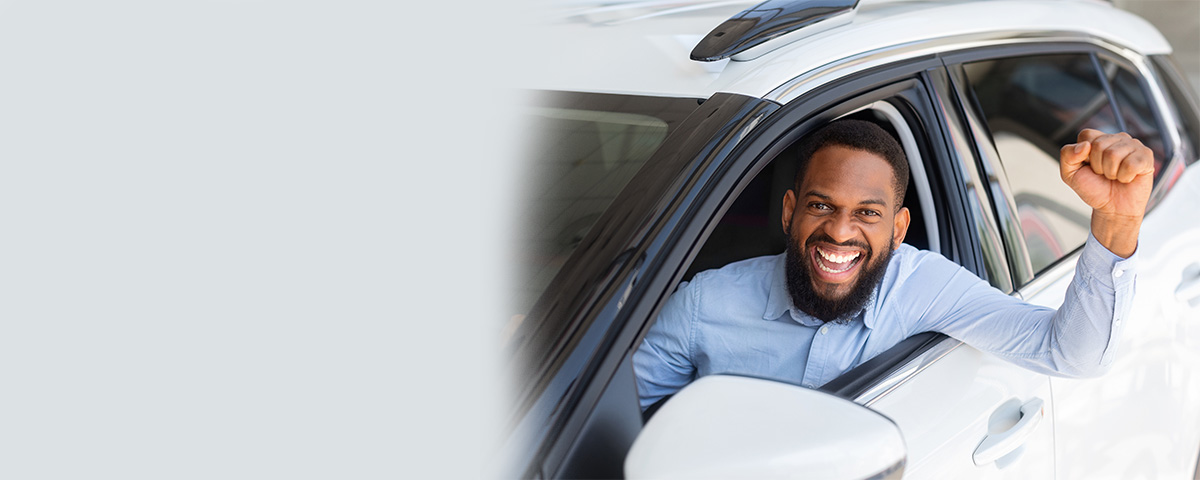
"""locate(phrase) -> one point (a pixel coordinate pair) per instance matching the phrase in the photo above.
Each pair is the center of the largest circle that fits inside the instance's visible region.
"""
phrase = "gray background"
(1179, 21)
(251, 238)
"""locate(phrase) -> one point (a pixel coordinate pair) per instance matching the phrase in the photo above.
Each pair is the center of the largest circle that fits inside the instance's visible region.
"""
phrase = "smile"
(836, 262)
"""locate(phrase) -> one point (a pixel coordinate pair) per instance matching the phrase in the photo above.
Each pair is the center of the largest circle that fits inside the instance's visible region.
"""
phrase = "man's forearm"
(1117, 233)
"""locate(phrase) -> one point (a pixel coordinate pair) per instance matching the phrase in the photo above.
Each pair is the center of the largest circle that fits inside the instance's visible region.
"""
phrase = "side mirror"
(725, 426)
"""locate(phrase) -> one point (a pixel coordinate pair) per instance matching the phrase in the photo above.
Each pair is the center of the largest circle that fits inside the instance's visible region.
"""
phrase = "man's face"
(842, 225)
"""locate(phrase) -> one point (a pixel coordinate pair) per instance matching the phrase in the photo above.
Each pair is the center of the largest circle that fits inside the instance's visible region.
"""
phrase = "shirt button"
(1118, 273)
(824, 330)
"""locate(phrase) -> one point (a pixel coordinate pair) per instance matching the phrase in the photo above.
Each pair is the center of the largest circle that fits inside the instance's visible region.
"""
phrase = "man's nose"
(841, 227)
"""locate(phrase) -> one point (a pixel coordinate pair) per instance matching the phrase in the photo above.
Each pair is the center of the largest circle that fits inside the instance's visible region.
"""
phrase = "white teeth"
(827, 269)
(838, 258)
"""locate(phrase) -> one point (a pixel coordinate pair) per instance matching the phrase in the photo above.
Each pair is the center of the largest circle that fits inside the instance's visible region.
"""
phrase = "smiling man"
(847, 288)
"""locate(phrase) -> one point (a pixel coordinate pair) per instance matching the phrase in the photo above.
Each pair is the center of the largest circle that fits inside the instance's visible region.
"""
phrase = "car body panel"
(952, 406)
(651, 55)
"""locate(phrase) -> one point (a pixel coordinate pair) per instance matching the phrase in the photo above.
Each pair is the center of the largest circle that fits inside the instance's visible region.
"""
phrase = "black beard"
(804, 297)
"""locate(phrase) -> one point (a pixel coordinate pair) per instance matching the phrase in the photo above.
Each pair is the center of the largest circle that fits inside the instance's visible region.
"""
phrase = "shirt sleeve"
(1077, 340)
(663, 362)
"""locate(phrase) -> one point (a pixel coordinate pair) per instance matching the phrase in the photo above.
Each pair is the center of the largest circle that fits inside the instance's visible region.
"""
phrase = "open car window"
(752, 226)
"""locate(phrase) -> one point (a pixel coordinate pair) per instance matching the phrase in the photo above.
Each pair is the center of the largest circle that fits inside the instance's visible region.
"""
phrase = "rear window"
(1033, 106)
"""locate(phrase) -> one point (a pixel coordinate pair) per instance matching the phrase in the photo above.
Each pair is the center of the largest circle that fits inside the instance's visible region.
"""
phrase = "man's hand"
(1113, 174)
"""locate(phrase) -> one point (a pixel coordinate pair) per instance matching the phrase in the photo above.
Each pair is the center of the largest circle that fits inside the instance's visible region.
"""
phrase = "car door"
(1139, 419)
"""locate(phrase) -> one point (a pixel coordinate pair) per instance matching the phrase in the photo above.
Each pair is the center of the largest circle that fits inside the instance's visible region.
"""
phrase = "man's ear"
(789, 205)
(900, 229)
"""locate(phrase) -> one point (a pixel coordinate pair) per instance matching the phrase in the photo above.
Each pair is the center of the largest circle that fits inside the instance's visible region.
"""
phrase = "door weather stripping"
(746, 35)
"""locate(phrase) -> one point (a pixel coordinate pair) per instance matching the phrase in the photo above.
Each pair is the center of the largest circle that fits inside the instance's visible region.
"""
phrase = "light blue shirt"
(739, 319)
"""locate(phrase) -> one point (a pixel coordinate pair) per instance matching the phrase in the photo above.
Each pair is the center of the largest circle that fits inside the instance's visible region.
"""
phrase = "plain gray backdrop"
(252, 239)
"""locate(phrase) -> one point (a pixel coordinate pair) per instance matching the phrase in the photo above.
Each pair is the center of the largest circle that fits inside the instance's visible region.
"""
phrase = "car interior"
(752, 225)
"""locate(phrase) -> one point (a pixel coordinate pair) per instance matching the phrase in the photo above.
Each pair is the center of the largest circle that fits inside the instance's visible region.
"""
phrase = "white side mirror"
(724, 426)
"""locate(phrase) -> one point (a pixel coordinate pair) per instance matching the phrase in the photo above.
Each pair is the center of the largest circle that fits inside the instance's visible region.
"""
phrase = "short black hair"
(857, 135)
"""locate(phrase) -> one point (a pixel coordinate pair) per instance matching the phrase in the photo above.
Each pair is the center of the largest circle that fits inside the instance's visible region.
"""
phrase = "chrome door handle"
(1001, 444)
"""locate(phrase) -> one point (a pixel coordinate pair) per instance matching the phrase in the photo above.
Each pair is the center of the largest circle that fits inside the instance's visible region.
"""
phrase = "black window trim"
(999, 192)
(978, 197)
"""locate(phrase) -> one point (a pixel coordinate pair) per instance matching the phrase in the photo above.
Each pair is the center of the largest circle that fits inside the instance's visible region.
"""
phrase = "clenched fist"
(1113, 174)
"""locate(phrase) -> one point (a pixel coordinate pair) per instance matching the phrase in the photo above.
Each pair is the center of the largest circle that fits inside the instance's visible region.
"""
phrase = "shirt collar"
(779, 300)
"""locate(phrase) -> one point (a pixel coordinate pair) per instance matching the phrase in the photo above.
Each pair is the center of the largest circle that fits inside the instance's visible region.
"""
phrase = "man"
(847, 289)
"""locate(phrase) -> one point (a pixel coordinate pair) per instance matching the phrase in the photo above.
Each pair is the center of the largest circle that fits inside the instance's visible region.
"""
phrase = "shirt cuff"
(1110, 273)
(1106, 267)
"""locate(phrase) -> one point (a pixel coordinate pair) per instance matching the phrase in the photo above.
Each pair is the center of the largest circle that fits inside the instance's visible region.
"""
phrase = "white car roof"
(644, 47)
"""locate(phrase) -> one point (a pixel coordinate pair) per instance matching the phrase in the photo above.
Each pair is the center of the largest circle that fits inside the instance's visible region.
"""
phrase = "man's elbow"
(1086, 370)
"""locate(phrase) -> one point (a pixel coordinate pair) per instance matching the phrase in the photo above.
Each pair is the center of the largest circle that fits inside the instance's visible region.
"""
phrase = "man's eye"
(819, 206)
(868, 213)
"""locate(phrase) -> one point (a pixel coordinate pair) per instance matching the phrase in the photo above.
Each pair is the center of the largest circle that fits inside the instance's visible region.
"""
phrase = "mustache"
(825, 238)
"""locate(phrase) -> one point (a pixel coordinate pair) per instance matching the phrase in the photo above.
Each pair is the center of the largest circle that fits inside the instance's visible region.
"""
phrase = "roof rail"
(767, 21)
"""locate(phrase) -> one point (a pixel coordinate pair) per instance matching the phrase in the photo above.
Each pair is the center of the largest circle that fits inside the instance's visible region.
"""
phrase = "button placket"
(817, 356)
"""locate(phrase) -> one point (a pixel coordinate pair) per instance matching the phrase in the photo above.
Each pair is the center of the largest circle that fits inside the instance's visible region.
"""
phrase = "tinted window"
(585, 148)
(1033, 106)
(1139, 118)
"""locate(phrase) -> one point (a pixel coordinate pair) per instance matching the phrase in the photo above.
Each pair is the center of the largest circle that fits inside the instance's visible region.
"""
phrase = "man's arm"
(1076, 340)
(663, 361)
(1111, 173)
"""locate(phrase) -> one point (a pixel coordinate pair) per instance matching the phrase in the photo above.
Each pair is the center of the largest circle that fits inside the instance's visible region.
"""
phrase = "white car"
(659, 126)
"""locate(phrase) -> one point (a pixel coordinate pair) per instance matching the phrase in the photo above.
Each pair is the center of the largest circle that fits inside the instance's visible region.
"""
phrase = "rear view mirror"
(724, 426)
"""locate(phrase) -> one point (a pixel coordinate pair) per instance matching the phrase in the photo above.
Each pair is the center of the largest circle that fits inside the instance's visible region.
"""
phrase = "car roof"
(644, 47)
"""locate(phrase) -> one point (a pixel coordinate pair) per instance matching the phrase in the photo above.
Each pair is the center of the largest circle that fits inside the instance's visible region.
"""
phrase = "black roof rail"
(767, 21)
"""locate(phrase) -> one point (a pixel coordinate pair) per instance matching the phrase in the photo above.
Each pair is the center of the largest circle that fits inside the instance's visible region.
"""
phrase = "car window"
(584, 151)
(588, 148)
(751, 227)
(1032, 106)
(1136, 113)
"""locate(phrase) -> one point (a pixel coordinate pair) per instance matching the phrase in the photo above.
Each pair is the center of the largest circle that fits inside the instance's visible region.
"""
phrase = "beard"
(805, 296)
